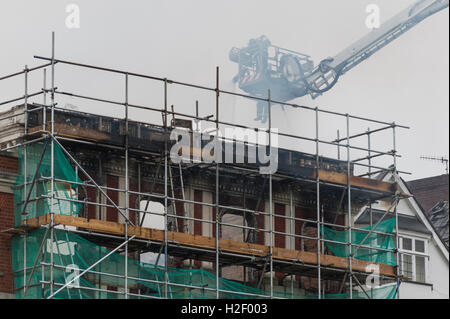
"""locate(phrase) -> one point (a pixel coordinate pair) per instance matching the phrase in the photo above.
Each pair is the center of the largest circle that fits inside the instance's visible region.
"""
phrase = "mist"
(405, 82)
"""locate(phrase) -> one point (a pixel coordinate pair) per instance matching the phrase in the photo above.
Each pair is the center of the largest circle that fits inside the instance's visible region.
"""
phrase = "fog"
(405, 82)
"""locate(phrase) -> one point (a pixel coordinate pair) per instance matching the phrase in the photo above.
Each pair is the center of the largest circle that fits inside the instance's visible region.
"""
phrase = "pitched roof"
(423, 216)
(430, 191)
(438, 216)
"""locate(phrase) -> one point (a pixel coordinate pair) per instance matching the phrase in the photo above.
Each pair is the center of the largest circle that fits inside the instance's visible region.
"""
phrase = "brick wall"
(7, 165)
(6, 221)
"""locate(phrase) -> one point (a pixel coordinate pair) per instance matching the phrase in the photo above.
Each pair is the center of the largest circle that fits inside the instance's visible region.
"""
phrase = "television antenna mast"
(441, 159)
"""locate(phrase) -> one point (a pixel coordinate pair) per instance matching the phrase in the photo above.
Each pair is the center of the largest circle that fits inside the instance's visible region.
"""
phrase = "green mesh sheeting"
(374, 240)
(29, 157)
(386, 292)
(72, 254)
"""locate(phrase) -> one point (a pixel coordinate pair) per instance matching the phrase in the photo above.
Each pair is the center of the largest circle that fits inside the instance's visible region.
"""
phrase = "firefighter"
(260, 47)
(262, 111)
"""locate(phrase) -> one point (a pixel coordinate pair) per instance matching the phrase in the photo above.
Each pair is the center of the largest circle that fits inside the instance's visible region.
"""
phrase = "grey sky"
(406, 82)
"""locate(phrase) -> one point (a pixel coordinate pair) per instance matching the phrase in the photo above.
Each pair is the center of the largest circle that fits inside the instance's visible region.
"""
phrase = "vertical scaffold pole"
(349, 211)
(127, 204)
(370, 199)
(394, 150)
(292, 232)
(370, 172)
(270, 197)
(44, 109)
(52, 164)
(397, 239)
(166, 277)
(399, 270)
(338, 147)
(43, 271)
(26, 99)
(25, 178)
(24, 263)
(217, 183)
(139, 198)
(368, 152)
(319, 225)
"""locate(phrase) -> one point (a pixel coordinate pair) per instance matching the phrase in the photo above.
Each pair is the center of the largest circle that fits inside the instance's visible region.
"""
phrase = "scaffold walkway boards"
(203, 248)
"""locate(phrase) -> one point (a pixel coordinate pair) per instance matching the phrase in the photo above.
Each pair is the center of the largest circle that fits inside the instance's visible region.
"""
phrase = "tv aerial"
(441, 159)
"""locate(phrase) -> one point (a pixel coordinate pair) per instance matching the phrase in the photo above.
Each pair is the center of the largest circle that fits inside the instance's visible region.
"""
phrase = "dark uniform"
(260, 46)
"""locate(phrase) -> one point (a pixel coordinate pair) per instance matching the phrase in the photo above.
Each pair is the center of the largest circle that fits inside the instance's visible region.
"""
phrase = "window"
(154, 218)
(233, 272)
(420, 246)
(413, 258)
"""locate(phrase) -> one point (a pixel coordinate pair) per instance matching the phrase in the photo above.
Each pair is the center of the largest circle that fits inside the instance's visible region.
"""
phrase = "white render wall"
(437, 277)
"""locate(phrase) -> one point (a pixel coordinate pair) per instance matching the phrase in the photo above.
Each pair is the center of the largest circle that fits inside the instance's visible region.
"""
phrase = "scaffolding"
(335, 256)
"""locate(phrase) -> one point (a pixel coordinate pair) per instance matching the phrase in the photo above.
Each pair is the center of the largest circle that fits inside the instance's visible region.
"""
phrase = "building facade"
(423, 254)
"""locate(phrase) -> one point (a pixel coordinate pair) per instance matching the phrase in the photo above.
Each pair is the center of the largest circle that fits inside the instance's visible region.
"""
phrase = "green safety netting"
(72, 254)
(29, 158)
(374, 240)
(385, 292)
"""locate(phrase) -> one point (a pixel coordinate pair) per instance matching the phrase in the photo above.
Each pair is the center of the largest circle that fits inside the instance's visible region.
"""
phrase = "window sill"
(417, 283)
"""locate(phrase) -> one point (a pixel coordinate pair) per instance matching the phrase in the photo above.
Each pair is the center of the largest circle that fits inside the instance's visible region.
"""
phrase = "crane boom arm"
(326, 74)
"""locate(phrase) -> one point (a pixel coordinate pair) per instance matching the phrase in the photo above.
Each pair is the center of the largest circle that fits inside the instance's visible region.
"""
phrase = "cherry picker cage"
(291, 74)
(263, 66)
